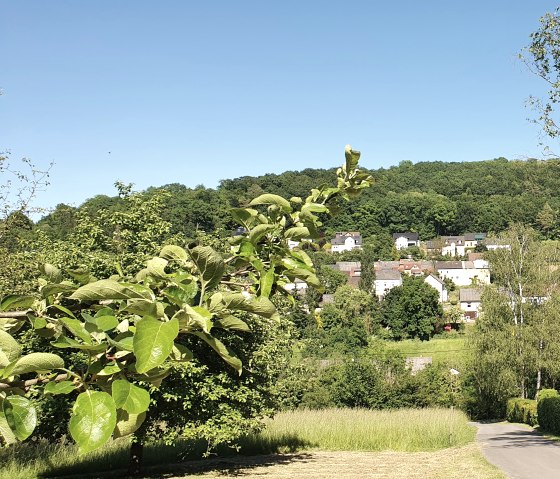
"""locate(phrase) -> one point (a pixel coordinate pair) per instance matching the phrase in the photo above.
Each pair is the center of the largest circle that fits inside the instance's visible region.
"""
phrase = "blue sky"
(193, 92)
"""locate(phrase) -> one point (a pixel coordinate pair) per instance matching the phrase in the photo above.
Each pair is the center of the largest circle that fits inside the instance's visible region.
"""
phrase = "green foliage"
(412, 310)
(548, 411)
(546, 393)
(522, 410)
(157, 315)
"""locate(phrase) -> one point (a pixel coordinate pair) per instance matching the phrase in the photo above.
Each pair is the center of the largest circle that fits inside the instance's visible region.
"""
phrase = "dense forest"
(431, 198)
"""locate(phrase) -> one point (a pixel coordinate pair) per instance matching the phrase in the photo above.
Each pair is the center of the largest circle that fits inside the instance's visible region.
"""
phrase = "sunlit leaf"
(153, 341)
(93, 420)
(130, 397)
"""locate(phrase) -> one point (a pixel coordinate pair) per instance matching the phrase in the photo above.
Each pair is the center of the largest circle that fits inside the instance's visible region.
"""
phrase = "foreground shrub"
(522, 410)
(546, 393)
(548, 409)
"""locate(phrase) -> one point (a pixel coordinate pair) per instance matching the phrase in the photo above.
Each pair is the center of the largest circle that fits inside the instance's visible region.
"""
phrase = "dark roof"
(387, 274)
(378, 265)
(469, 295)
(348, 265)
(409, 236)
(449, 265)
(340, 238)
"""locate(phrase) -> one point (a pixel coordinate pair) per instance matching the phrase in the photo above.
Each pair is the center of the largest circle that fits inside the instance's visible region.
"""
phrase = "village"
(453, 265)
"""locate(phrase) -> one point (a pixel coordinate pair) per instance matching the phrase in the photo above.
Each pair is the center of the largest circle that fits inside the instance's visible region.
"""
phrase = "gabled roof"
(348, 265)
(387, 275)
(409, 236)
(449, 265)
(436, 278)
(378, 265)
(469, 295)
(340, 237)
(475, 236)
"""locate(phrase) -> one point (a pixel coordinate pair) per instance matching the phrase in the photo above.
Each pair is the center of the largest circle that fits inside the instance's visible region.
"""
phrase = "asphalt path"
(519, 451)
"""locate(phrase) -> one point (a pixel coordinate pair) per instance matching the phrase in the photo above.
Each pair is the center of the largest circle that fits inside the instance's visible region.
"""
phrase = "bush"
(548, 410)
(546, 393)
(522, 410)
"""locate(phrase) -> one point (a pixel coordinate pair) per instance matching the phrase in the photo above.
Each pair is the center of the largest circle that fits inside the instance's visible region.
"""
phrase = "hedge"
(548, 410)
(522, 410)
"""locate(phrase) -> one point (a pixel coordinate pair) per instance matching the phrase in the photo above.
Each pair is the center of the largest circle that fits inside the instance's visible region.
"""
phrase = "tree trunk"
(135, 458)
(539, 374)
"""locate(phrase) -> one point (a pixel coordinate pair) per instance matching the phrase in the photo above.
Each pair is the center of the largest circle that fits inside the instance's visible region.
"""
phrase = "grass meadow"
(451, 350)
(424, 430)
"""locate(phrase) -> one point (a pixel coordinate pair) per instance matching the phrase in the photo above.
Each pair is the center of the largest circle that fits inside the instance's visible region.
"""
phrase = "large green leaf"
(259, 231)
(53, 274)
(20, 415)
(109, 289)
(102, 323)
(194, 318)
(7, 433)
(130, 397)
(232, 323)
(270, 199)
(93, 420)
(225, 353)
(50, 289)
(16, 301)
(37, 362)
(173, 252)
(77, 328)
(210, 265)
(66, 342)
(156, 267)
(143, 307)
(181, 353)
(81, 274)
(153, 341)
(127, 423)
(266, 282)
(62, 387)
(261, 306)
(181, 293)
(10, 349)
(243, 215)
(352, 158)
(297, 233)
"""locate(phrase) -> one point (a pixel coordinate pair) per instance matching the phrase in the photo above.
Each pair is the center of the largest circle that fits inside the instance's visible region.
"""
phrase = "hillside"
(432, 198)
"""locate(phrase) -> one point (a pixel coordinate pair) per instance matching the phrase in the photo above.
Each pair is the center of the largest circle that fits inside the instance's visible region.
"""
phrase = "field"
(435, 443)
(452, 349)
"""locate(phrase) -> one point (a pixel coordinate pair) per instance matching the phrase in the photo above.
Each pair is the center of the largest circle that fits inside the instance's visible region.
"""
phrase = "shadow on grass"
(160, 460)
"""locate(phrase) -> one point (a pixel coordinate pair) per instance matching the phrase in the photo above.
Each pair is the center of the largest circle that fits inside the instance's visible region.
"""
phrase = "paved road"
(519, 451)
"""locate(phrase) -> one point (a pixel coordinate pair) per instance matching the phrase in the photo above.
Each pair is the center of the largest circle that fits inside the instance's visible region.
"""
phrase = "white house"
(406, 240)
(462, 273)
(469, 300)
(494, 243)
(453, 246)
(298, 286)
(438, 285)
(385, 280)
(346, 241)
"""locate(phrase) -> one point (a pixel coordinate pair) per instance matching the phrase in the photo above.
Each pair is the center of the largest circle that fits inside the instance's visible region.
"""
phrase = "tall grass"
(329, 429)
(366, 430)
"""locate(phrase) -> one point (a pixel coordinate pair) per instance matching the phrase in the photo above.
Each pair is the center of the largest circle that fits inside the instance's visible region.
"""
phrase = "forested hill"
(431, 198)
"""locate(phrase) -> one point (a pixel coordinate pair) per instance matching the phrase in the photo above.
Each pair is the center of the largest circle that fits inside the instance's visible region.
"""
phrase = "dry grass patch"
(464, 462)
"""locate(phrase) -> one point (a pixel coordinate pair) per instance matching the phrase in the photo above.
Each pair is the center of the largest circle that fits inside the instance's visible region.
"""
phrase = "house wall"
(464, 277)
(383, 286)
(470, 307)
(434, 283)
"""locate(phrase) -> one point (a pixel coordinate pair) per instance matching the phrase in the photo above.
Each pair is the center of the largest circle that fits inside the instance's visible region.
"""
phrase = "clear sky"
(157, 92)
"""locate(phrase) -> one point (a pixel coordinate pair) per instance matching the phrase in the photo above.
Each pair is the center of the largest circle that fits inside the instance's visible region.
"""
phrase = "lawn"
(452, 350)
